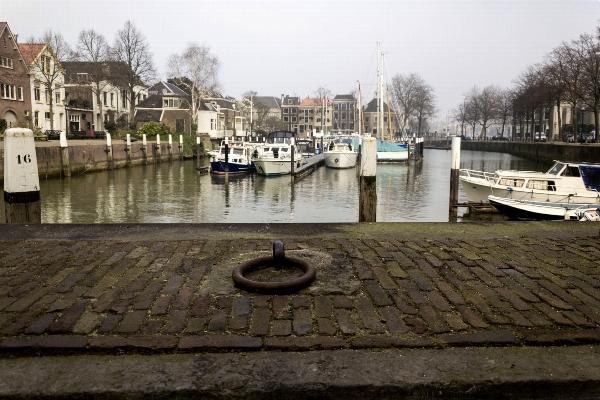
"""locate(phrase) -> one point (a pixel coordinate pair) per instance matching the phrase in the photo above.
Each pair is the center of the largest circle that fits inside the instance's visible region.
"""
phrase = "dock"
(312, 163)
(469, 310)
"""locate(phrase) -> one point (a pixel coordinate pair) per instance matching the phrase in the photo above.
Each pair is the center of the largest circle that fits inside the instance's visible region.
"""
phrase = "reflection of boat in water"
(239, 159)
(564, 182)
(543, 210)
(341, 152)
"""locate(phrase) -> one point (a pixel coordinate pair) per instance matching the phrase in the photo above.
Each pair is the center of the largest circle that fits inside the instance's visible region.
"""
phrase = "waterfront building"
(96, 95)
(289, 112)
(167, 105)
(310, 115)
(15, 84)
(266, 113)
(344, 114)
(370, 119)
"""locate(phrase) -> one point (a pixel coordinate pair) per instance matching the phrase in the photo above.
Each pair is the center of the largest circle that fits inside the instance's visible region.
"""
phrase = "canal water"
(176, 193)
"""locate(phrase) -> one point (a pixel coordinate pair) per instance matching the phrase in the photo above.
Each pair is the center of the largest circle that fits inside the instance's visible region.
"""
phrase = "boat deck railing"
(470, 173)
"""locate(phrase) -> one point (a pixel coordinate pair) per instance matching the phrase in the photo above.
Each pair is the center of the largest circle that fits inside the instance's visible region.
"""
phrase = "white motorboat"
(341, 153)
(565, 182)
(274, 157)
(542, 210)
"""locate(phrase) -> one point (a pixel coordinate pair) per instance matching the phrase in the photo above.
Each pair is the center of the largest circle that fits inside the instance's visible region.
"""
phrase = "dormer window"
(6, 62)
(289, 101)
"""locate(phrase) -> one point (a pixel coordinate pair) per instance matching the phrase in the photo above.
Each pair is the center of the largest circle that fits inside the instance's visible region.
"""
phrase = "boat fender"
(336, 160)
(255, 154)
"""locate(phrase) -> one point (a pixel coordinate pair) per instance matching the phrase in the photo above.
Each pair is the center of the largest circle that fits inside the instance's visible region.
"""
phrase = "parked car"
(569, 138)
(540, 137)
(53, 134)
(586, 137)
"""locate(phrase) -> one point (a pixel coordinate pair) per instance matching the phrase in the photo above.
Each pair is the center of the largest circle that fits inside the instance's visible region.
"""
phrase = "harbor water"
(175, 193)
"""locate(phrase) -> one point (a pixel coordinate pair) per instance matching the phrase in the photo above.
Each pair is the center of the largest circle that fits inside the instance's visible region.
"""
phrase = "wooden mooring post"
(144, 149)
(64, 148)
(367, 210)
(454, 171)
(157, 150)
(21, 180)
(128, 149)
(109, 152)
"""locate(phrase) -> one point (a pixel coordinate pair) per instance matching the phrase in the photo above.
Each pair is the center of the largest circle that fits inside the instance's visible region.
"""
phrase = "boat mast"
(378, 115)
(361, 128)
(389, 114)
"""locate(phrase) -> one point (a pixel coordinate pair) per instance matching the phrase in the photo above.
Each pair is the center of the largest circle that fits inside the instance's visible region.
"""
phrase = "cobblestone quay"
(422, 310)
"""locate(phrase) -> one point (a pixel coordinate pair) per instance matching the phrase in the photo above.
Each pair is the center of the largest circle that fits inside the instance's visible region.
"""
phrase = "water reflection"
(175, 192)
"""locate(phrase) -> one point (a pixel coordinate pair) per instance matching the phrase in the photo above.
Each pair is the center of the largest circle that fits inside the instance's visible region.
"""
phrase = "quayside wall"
(540, 152)
(94, 157)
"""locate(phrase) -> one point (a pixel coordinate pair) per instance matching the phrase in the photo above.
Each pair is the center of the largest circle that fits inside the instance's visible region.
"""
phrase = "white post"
(21, 179)
(454, 172)
(181, 146)
(128, 148)
(170, 147)
(158, 150)
(144, 148)
(64, 148)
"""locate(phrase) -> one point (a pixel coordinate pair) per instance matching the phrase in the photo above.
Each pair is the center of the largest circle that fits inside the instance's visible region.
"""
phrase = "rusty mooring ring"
(273, 287)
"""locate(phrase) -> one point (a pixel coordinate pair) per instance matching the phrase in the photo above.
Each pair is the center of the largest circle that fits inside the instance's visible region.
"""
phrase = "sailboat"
(387, 150)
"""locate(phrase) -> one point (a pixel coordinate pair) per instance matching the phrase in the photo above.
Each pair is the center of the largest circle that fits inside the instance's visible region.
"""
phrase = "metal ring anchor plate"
(278, 260)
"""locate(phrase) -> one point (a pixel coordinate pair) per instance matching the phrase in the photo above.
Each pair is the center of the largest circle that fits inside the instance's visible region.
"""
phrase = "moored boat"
(341, 153)
(239, 159)
(565, 181)
(538, 210)
(274, 157)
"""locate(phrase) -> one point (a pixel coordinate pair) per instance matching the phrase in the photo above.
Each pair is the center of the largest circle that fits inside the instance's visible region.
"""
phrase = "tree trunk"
(559, 118)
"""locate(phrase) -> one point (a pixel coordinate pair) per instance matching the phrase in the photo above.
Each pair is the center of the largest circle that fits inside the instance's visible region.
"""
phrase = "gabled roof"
(372, 106)
(148, 115)
(152, 101)
(2, 26)
(314, 102)
(344, 97)
(294, 101)
(31, 51)
(269, 101)
(111, 71)
(222, 103)
(166, 89)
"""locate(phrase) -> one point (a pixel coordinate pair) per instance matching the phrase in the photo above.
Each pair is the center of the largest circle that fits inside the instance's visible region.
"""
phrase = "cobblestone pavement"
(394, 292)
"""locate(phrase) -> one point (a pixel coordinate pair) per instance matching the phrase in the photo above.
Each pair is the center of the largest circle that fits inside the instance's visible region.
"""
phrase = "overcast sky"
(293, 47)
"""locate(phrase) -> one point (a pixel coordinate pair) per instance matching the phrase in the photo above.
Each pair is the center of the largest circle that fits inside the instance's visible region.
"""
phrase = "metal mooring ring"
(273, 287)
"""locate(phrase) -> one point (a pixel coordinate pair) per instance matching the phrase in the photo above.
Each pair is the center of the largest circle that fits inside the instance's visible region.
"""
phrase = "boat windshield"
(556, 168)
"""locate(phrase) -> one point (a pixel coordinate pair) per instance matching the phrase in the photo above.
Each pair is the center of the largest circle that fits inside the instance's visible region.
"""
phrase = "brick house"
(167, 105)
(344, 113)
(15, 85)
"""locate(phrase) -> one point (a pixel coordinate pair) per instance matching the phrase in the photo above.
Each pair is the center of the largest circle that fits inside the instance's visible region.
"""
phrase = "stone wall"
(93, 157)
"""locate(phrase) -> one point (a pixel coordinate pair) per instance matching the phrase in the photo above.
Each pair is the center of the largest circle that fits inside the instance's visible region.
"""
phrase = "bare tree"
(323, 94)
(504, 111)
(61, 48)
(471, 108)
(424, 105)
(93, 49)
(487, 104)
(588, 49)
(196, 69)
(136, 67)
(459, 115)
(405, 89)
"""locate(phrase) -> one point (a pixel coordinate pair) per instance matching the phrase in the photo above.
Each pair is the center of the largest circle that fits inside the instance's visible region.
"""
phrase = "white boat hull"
(539, 210)
(339, 159)
(273, 166)
(392, 156)
(477, 190)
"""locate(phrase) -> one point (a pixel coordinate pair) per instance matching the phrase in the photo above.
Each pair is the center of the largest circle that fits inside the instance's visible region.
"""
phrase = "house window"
(6, 62)
(285, 110)
(9, 92)
(165, 103)
(112, 99)
(36, 118)
(294, 119)
(343, 115)
(343, 125)
(286, 119)
(47, 115)
(47, 95)
(57, 97)
(344, 106)
(74, 118)
(176, 103)
(170, 102)
(46, 64)
(124, 97)
(20, 93)
(289, 101)
(105, 99)
(335, 115)
(335, 106)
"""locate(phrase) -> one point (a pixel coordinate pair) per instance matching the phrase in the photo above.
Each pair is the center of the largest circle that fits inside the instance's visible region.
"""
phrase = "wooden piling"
(198, 153)
(128, 149)
(226, 157)
(22, 203)
(181, 147)
(64, 148)
(144, 149)
(367, 211)
(170, 147)
(109, 152)
(454, 170)
(157, 150)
